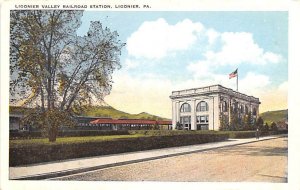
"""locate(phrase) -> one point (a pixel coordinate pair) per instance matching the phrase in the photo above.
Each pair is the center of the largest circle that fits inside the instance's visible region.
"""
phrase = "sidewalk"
(73, 166)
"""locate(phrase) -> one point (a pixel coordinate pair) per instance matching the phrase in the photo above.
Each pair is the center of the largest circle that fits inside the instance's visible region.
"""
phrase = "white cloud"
(212, 35)
(254, 83)
(158, 39)
(154, 39)
(240, 48)
(200, 69)
(272, 57)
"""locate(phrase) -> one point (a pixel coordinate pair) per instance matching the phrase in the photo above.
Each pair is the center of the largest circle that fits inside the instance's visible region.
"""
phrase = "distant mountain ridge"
(98, 111)
(109, 111)
(274, 116)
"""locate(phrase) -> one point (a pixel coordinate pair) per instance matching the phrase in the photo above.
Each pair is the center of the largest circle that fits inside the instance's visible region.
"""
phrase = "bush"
(66, 133)
(171, 132)
(251, 134)
(241, 134)
(274, 126)
(25, 134)
(36, 153)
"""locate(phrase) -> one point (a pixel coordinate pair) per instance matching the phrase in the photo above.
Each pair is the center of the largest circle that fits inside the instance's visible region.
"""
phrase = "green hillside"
(108, 111)
(99, 111)
(274, 116)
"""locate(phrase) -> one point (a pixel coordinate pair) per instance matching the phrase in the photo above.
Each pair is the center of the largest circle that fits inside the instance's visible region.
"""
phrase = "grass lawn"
(133, 134)
(69, 140)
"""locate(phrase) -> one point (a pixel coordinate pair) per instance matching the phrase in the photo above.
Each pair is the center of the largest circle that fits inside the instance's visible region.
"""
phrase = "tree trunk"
(52, 134)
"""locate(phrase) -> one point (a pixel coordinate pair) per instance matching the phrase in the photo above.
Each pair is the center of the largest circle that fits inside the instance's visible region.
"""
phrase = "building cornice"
(210, 90)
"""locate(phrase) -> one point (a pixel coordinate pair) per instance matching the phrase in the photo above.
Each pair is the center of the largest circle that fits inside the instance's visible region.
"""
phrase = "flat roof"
(210, 90)
(131, 121)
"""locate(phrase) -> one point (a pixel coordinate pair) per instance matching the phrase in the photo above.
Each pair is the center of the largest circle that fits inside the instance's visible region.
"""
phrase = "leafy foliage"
(274, 126)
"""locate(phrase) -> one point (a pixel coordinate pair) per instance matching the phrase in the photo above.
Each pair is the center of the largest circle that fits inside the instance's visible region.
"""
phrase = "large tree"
(56, 71)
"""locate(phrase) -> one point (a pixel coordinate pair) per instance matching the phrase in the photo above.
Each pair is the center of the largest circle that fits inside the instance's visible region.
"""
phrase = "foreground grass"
(84, 139)
(69, 140)
(133, 134)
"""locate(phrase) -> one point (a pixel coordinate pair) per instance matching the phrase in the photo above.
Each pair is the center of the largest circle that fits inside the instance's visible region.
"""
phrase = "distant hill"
(98, 111)
(274, 116)
(108, 111)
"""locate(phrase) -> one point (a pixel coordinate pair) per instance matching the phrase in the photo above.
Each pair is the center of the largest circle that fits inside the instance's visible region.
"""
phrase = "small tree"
(224, 123)
(178, 126)
(249, 121)
(234, 120)
(260, 123)
(266, 127)
(274, 126)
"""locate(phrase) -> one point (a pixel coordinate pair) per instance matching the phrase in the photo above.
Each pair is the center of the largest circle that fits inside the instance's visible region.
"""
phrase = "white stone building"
(203, 108)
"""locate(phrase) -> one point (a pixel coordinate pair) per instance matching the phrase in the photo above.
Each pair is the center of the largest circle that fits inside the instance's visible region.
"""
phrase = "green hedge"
(82, 133)
(171, 132)
(37, 153)
(66, 133)
(251, 134)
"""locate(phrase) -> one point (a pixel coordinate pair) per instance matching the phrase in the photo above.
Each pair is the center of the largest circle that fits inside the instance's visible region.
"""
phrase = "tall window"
(242, 109)
(254, 111)
(202, 119)
(185, 108)
(202, 106)
(224, 106)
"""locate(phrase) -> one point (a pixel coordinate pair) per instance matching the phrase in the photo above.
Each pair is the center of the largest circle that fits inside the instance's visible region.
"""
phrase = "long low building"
(131, 124)
(97, 123)
(204, 108)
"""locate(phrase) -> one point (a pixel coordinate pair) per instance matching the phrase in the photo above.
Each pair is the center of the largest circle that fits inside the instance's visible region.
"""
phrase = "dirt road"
(263, 161)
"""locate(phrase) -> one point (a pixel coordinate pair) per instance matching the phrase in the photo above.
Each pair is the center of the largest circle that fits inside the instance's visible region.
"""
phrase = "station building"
(202, 108)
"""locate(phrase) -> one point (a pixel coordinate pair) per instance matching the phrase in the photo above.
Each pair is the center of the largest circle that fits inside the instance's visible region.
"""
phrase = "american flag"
(233, 74)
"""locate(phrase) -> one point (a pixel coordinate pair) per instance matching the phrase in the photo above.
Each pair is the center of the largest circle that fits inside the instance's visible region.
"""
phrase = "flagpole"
(237, 81)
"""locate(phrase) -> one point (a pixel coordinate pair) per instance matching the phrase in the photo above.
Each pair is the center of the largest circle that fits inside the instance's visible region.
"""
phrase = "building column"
(174, 115)
(217, 111)
(229, 110)
(177, 111)
(193, 115)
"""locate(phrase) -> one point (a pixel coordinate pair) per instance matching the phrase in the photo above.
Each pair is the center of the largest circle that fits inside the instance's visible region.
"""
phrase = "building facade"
(210, 107)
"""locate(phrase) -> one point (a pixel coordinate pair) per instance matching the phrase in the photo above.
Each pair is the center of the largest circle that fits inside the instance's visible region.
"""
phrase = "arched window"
(185, 108)
(202, 106)
(246, 109)
(225, 106)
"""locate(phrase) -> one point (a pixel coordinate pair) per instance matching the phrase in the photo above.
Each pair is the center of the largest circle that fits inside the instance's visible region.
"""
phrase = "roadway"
(258, 161)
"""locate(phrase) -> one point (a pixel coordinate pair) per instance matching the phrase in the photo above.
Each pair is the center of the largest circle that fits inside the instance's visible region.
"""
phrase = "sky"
(168, 51)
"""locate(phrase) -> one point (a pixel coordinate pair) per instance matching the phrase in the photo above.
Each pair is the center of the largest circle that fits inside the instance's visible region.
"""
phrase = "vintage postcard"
(143, 94)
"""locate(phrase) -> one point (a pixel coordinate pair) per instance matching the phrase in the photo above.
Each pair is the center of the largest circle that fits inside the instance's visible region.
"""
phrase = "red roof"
(130, 121)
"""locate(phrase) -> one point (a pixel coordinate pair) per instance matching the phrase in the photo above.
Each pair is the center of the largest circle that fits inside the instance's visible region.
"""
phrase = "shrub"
(274, 126)
(241, 134)
(66, 133)
(35, 153)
